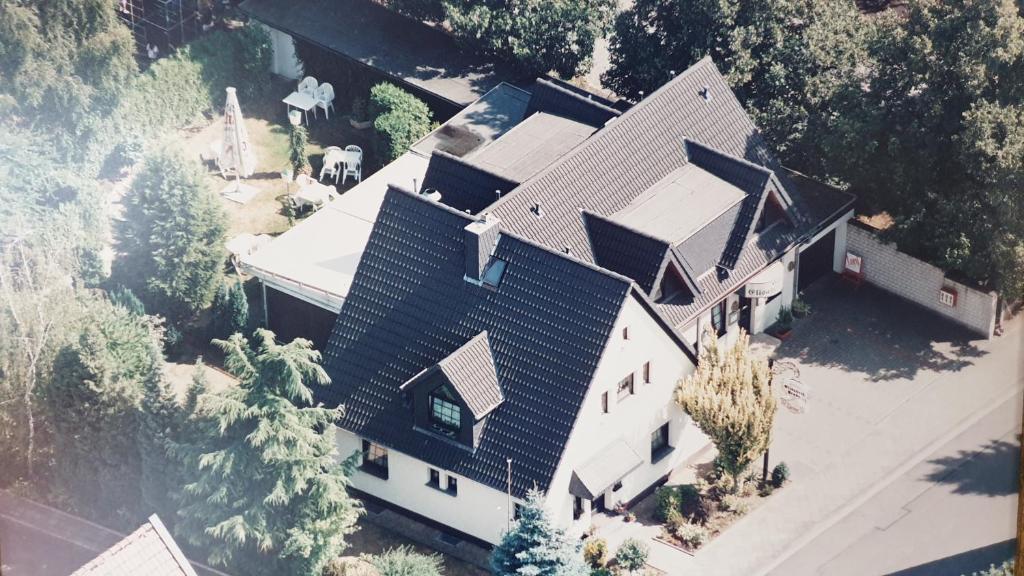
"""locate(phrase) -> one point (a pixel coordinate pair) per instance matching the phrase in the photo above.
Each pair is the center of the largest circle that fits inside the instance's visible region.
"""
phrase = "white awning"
(607, 467)
(766, 283)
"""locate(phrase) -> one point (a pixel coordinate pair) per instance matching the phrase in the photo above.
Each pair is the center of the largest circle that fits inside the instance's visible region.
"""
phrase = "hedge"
(400, 119)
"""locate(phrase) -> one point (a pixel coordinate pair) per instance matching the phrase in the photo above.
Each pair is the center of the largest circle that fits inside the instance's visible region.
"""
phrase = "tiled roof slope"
(626, 251)
(630, 154)
(150, 550)
(409, 307)
(555, 98)
(462, 185)
(471, 372)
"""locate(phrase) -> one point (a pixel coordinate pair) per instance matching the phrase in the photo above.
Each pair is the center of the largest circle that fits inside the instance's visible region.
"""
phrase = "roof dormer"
(453, 398)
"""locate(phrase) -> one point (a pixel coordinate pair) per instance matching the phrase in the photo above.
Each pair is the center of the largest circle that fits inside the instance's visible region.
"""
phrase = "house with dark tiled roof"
(522, 311)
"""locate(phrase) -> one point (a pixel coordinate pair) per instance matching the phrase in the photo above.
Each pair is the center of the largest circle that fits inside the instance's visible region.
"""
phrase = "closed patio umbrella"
(236, 155)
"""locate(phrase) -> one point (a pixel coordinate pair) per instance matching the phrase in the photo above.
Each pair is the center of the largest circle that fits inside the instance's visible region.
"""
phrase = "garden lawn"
(267, 124)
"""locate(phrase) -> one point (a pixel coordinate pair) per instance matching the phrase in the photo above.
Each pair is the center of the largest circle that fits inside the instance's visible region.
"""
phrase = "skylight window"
(494, 272)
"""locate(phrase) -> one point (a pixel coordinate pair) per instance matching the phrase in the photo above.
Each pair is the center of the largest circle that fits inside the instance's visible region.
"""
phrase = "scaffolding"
(161, 24)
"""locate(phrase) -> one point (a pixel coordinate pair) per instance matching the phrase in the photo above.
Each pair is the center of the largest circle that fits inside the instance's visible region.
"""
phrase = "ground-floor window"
(718, 318)
(577, 508)
(375, 459)
(453, 485)
(659, 443)
(435, 478)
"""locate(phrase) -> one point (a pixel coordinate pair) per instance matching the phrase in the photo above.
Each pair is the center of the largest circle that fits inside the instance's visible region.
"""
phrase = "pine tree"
(534, 547)
(230, 310)
(161, 423)
(266, 492)
(729, 399)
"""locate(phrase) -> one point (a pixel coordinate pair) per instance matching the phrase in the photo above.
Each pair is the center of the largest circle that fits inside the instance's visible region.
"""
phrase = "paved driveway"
(890, 384)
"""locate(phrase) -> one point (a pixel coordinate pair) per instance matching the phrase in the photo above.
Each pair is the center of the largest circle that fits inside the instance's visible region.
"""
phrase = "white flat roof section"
(680, 204)
(316, 260)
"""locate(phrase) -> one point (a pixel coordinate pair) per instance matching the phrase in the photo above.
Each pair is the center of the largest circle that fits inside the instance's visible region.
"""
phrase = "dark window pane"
(375, 459)
(604, 402)
(435, 478)
(625, 387)
(445, 415)
(659, 443)
(453, 485)
(647, 372)
(494, 271)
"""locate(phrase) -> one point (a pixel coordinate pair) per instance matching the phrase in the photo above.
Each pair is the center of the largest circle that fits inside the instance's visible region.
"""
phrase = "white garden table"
(301, 100)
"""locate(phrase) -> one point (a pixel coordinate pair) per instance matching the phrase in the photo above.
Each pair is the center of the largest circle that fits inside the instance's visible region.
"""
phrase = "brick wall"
(920, 282)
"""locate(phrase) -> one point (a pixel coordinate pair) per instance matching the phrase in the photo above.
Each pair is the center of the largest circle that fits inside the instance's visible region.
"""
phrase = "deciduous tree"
(729, 399)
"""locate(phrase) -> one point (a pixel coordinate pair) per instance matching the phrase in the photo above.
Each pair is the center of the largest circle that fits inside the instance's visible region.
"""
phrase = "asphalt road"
(952, 514)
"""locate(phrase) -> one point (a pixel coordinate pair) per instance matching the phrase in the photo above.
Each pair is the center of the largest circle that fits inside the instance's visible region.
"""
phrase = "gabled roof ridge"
(468, 164)
(471, 218)
(589, 214)
(553, 85)
(607, 128)
(687, 141)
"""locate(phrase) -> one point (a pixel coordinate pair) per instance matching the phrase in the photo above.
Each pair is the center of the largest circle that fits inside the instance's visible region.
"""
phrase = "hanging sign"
(767, 283)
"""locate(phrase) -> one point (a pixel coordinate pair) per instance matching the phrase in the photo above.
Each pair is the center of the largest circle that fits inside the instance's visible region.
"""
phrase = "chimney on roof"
(431, 194)
(479, 239)
(537, 210)
(705, 92)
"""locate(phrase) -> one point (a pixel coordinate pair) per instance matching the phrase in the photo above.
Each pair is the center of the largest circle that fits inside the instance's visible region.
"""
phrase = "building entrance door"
(745, 309)
(599, 504)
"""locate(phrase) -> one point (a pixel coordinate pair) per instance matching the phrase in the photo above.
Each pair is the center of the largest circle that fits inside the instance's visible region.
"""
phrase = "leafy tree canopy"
(537, 36)
(267, 494)
(785, 59)
(729, 399)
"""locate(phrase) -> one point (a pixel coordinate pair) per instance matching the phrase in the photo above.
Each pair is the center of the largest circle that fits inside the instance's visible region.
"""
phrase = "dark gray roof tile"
(462, 185)
(561, 99)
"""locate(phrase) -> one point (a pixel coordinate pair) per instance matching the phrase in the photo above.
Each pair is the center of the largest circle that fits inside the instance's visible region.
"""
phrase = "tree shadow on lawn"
(990, 471)
(871, 331)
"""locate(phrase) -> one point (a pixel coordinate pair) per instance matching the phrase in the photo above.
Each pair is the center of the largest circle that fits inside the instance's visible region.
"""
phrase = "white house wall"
(634, 418)
(477, 510)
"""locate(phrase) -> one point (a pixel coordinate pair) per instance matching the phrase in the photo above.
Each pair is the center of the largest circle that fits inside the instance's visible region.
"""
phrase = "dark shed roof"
(547, 324)
(561, 100)
(462, 185)
(407, 50)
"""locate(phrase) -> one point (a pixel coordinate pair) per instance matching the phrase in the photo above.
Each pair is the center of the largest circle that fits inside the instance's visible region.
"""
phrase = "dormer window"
(445, 414)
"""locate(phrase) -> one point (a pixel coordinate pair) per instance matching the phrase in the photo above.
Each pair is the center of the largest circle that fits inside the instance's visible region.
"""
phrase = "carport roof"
(605, 468)
(400, 47)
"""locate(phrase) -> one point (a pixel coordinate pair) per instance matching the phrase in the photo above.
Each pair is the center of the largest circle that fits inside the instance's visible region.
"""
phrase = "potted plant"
(801, 309)
(359, 119)
(783, 323)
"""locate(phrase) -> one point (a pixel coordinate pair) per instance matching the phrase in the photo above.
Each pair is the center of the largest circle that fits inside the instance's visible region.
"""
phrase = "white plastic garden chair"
(324, 99)
(353, 168)
(308, 85)
(331, 161)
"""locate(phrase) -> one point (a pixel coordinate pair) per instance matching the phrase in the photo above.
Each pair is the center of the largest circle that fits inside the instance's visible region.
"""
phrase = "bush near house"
(595, 552)
(403, 561)
(400, 119)
(632, 555)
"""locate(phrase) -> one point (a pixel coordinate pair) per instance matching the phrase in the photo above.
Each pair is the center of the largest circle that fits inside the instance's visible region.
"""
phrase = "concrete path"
(891, 385)
(954, 513)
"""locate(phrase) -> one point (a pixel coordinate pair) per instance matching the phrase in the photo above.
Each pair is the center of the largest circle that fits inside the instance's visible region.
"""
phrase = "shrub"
(1004, 569)
(125, 298)
(734, 504)
(632, 555)
(693, 535)
(595, 552)
(230, 310)
(403, 561)
(784, 321)
(297, 142)
(666, 500)
(359, 111)
(801, 309)
(349, 566)
(126, 153)
(601, 572)
(674, 520)
(780, 474)
(400, 119)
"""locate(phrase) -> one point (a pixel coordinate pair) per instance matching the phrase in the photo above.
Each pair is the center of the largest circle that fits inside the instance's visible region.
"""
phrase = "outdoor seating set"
(310, 193)
(347, 162)
(310, 96)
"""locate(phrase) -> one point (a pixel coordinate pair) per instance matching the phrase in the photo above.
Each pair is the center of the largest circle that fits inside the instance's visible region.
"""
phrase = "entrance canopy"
(605, 468)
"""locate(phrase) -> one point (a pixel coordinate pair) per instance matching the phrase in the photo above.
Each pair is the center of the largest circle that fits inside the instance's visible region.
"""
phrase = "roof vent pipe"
(497, 194)
(705, 91)
(537, 210)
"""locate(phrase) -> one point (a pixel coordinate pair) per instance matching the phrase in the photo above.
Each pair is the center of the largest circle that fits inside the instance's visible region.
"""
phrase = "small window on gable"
(494, 272)
(435, 478)
(647, 372)
(453, 485)
(625, 332)
(771, 213)
(604, 403)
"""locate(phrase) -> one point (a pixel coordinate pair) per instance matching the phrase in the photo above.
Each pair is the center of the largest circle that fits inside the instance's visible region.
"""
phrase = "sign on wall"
(767, 283)
(854, 264)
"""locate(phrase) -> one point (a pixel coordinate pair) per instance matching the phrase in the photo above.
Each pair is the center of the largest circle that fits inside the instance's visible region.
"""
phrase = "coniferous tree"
(534, 547)
(94, 399)
(267, 493)
(161, 421)
(729, 399)
(173, 237)
(230, 310)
